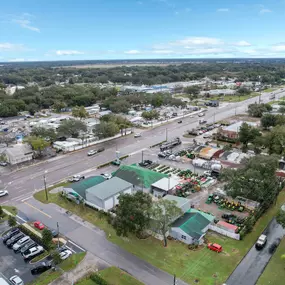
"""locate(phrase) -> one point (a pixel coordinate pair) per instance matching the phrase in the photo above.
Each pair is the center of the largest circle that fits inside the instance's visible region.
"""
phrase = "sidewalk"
(89, 264)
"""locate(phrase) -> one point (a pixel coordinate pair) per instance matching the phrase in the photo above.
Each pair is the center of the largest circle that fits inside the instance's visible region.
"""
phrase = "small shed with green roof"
(138, 176)
(191, 227)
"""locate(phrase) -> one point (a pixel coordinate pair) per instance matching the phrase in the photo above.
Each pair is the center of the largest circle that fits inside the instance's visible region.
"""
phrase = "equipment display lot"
(13, 264)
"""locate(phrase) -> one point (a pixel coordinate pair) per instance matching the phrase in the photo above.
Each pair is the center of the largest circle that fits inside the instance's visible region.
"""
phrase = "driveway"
(253, 264)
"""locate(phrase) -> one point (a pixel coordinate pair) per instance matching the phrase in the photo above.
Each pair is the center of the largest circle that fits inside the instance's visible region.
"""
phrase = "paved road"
(94, 241)
(24, 182)
(252, 266)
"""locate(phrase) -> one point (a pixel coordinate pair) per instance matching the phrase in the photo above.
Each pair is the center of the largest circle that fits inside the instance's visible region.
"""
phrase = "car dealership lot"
(13, 264)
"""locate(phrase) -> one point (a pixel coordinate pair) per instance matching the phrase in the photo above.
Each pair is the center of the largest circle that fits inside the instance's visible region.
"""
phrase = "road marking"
(70, 248)
(21, 218)
(38, 209)
(76, 245)
(28, 198)
(2, 203)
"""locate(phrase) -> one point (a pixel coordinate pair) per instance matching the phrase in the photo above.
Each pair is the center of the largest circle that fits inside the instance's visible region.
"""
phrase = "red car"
(215, 247)
(39, 225)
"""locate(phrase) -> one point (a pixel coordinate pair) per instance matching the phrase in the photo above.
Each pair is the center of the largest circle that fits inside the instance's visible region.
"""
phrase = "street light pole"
(142, 155)
(45, 184)
(166, 134)
(174, 279)
(57, 235)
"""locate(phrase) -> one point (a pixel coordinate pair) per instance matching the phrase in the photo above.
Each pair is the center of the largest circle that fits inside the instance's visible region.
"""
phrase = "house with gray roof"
(104, 196)
(18, 153)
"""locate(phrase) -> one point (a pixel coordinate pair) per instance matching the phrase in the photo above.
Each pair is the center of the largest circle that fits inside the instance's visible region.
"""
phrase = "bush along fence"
(158, 144)
(110, 162)
(95, 278)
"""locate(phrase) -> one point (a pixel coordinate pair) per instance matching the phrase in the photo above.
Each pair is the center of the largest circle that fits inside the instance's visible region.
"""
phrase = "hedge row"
(109, 163)
(158, 144)
(98, 280)
(33, 236)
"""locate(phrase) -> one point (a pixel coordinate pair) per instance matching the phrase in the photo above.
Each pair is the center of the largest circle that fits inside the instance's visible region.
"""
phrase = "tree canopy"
(257, 110)
(248, 134)
(71, 128)
(133, 213)
(79, 112)
(106, 129)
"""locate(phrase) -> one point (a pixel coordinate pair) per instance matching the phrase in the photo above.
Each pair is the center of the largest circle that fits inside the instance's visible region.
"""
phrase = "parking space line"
(38, 209)
(70, 248)
(21, 218)
(76, 245)
(28, 198)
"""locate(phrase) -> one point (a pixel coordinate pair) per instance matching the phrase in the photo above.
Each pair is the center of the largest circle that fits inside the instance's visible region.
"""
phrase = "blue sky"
(130, 29)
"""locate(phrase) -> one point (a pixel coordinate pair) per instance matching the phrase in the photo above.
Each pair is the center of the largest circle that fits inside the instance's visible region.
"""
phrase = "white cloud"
(278, 47)
(242, 44)
(132, 51)
(68, 52)
(16, 60)
(223, 10)
(11, 47)
(25, 22)
(264, 11)
(190, 42)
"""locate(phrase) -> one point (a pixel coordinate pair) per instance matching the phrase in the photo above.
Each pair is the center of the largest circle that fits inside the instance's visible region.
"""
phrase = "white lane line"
(26, 199)
(76, 245)
(21, 219)
(70, 248)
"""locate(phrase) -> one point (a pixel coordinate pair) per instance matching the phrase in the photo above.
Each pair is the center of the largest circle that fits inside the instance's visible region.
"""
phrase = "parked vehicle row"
(22, 243)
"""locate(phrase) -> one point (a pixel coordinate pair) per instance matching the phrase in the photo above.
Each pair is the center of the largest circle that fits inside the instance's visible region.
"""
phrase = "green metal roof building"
(81, 186)
(138, 176)
(191, 227)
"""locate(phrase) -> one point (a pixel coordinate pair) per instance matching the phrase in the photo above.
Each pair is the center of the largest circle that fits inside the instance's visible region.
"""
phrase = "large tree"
(71, 128)
(192, 90)
(150, 115)
(275, 140)
(79, 112)
(163, 213)
(256, 180)
(47, 134)
(106, 129)
(7, 138)
(247, 134)
(133, 213)
(38, 144)
(268, 120)
(257, 110)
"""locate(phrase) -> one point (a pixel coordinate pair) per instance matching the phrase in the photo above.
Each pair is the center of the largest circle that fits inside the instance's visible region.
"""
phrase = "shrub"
(98, 280)
(12, 221)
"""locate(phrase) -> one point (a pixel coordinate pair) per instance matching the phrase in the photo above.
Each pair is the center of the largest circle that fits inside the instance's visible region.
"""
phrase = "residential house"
(141, 178)
(164, 186)
(18, 153)
(191, 227)
(231, 131)
(105, 195)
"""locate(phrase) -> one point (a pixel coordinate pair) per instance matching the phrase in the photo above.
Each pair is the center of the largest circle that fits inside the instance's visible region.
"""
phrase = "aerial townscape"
(142, 142)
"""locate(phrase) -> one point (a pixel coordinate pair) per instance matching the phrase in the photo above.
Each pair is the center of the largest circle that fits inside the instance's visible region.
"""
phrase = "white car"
(65, 254)
(208, 173)
(3, 193)
(76, 178)
(16, 280)
(34, 251)
(107, 176)
(137, 135)
(92, 152)
(201, 114)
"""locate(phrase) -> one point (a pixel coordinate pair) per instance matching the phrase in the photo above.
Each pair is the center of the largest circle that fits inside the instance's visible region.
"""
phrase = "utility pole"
(142, 155)
(259, 97)
(174, 279)
(214, 117)
(57, 235)
(45, 184)
(166, 134)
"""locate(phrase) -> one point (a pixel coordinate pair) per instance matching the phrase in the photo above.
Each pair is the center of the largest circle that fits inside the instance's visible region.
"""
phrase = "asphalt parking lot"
(13, 263)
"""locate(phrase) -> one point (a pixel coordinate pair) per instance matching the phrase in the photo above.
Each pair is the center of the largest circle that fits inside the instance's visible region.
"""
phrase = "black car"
(41, 268)
(11, 233)
(101, 149)
(145, 163)
(27, 246)
(10, 242)
(179, 122)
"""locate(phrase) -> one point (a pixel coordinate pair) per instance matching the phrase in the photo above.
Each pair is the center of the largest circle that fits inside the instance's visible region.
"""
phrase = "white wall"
(109, 203)
(177, 233)
(224, 232)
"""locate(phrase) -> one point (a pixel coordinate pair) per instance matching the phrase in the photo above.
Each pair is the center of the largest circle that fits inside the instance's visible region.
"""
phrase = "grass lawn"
(71, 262)
(46, 278)
(268, 90)
(207, 266)
(11, 209)
(114, 276)
(274, 273)
(233, 98)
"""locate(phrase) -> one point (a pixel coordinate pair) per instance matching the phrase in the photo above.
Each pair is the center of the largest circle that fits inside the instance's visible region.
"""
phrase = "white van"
(20, 243)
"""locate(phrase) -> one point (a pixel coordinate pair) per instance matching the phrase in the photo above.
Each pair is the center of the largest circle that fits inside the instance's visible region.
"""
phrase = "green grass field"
(11, 209)
(114, 276)
(207, 266)
(233, 98)
(274, 273)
